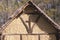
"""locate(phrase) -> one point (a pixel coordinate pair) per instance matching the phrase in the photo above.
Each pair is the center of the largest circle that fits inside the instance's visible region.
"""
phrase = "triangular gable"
(19, 12)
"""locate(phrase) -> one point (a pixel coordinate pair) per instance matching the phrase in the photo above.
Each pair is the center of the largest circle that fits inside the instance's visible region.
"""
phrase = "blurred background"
(50, 7)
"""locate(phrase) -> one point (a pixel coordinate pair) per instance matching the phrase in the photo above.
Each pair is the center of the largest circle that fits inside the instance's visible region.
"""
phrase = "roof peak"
(20, 10)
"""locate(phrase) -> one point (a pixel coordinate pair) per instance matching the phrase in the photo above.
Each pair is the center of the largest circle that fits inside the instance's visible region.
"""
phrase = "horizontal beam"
(33, 34)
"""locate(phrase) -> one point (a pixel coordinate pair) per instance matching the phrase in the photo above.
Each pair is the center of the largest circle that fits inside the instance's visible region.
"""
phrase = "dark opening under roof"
(19, 12)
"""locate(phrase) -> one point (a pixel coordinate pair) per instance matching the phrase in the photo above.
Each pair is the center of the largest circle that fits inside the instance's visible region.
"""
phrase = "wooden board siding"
(30, 37)
(48, 37)
(24, 37)
(42, 26)
(17, 27)
(14, 37)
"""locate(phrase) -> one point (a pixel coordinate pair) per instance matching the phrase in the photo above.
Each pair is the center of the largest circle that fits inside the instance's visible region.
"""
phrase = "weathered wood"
(20, 37)
(25, 25)
(16, 13)
(41, 27)
(33, 34)
(57, 35)
(38, 37)
(0, 36)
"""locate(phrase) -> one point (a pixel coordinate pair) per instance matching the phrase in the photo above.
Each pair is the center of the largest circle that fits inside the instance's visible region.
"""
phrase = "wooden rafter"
(18, 12)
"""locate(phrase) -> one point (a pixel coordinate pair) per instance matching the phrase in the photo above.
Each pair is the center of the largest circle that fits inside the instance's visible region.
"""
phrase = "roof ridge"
(58, 26)
(18, 11)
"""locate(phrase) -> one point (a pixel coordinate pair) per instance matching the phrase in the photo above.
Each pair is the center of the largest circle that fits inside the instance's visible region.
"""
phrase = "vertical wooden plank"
(30, 29)
(20, 37)
(2, 37)
(38, 37)
(48, 37)
(57, 35)
(30, 37)
(12, 37)
(24, 37)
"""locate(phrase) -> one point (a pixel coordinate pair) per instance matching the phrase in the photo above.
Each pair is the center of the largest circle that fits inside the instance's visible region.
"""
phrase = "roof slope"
(19, 12)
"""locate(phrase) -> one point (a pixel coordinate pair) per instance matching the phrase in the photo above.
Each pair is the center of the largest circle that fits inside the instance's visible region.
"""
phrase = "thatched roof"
(19, 12)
